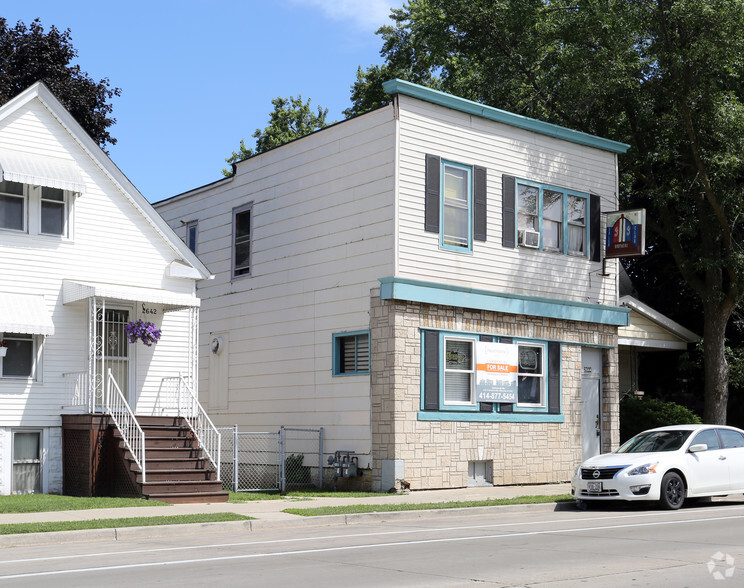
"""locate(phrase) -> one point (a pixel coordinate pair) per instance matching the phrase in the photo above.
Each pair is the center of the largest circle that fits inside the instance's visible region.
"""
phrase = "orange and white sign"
(496, 372)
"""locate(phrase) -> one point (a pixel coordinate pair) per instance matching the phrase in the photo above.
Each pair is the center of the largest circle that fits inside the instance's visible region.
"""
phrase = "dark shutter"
(508, 211)
(431, 213)
(479, 210)
(431, 370)
(554, 378)
(486, 406)
(504, 406)
(595, 238)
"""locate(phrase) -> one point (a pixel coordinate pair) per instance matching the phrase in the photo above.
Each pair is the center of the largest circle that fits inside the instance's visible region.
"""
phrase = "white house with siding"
(82, 253)
(364, 272)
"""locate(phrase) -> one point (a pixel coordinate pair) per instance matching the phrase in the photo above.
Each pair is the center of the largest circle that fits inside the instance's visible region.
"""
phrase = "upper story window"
(455, 203)
(53, 211)
(12, 206)
(552, 219)
(456, 207)
(35, 210)
(242, 223)
(549, 218)
(192, 232)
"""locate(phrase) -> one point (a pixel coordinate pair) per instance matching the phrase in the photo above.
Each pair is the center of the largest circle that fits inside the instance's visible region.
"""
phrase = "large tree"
(664, 76)
(29, 54)
(291, 119)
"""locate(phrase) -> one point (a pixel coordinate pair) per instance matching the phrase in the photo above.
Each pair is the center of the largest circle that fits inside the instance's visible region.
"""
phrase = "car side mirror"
(698, 447)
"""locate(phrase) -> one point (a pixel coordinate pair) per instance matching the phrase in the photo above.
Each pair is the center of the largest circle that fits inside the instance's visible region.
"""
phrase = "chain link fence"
(288, 459)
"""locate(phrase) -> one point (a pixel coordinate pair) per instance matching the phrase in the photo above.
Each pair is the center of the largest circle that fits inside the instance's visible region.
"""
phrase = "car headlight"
(646, 468)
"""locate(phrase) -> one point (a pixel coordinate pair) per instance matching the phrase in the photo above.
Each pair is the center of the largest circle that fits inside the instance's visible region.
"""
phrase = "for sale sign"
(496, 372)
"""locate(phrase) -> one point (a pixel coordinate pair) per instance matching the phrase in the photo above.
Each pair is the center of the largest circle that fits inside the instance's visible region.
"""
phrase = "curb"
(299, 521)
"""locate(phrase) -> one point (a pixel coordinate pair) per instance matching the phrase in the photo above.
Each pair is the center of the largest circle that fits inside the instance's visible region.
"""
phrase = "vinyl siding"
(501, 149)
(111, 242)
(322, 234)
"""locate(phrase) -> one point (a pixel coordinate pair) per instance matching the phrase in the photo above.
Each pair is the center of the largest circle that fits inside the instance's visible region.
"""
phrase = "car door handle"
(721, 457)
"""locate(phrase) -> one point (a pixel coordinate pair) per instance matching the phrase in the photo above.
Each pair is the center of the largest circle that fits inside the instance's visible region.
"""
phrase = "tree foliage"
(664, 76)
(291, 119)
(638, 415)
(29, 54)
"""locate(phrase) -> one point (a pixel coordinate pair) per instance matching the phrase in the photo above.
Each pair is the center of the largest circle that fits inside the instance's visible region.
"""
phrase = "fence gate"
(262, 461)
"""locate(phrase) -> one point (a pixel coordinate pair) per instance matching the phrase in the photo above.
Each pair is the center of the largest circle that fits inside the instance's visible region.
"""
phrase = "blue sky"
(197, 76)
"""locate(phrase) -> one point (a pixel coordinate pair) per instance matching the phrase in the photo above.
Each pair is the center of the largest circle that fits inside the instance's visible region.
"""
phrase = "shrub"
(639, 415)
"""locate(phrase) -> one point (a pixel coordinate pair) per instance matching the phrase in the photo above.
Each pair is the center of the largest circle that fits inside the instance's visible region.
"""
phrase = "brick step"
(177, 475)
(176, 486)
(188, 497)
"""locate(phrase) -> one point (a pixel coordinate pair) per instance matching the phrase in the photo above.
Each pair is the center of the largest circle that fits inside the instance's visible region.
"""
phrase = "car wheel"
(672, 491)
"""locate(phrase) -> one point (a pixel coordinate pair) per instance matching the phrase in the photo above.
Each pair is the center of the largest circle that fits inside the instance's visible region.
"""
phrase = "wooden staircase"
(176, 469)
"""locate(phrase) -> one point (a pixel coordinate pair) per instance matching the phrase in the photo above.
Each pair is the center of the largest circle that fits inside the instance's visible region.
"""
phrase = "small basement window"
(351, 353)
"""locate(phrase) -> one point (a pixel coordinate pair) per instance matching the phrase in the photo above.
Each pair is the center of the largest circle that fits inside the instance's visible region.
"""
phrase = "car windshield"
(655, 441)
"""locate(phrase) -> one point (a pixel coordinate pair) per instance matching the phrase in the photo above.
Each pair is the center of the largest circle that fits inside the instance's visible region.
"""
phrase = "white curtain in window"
(26, 463)
(576, 238)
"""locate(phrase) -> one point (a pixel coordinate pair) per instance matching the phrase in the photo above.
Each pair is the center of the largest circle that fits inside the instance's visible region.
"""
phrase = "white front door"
(114, 350)
(591, 401)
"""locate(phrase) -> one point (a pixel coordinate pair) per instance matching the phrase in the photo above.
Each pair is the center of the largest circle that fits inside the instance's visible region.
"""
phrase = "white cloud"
(365, 15)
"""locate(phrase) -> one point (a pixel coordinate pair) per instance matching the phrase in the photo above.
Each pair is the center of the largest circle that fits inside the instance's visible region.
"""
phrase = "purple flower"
(147, 332)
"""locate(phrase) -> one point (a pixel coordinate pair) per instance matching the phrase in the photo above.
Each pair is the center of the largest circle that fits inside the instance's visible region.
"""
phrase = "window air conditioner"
(529, 238)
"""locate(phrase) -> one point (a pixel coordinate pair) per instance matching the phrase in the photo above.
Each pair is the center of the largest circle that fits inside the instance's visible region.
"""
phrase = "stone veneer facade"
(435, 454)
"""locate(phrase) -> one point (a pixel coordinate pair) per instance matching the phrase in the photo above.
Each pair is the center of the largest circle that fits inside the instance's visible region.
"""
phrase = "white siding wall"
(502, 149)
(322, 235)
(112, 242)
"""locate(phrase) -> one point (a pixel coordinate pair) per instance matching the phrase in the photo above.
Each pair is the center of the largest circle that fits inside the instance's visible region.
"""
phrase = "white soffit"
(40, 170)
(24, 313)
(74, 291)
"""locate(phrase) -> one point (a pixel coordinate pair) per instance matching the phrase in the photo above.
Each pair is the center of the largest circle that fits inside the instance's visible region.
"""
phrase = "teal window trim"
(522, 412)
(443, 222)
(338, 354)
(445, 336)
(490, 417)
(564, 221)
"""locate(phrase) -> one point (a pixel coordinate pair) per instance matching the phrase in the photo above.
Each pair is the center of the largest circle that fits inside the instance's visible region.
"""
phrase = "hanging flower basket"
(140, 330)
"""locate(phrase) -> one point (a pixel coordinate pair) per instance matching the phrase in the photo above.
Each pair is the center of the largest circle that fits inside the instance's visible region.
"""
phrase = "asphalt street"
(537, 547)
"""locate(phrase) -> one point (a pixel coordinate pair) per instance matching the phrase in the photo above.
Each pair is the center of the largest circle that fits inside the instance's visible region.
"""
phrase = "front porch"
(128, 427)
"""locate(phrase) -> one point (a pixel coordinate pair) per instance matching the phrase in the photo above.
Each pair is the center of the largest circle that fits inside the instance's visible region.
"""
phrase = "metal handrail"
(209, 438)
(124, 419)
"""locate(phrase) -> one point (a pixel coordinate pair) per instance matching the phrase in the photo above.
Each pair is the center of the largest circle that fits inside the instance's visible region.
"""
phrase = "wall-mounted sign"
(626, 233)
(496, 372)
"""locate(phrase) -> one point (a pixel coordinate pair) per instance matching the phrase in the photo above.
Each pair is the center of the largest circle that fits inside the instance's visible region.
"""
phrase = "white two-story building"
(364, 272)
(83, 255)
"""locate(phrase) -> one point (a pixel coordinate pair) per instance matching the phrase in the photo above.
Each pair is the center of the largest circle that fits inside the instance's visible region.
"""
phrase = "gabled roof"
(509, 118)
(676, 331)
(40, 92)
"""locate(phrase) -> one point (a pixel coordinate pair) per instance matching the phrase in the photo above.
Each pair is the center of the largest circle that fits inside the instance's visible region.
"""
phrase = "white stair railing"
(189, 408)
(124, 419)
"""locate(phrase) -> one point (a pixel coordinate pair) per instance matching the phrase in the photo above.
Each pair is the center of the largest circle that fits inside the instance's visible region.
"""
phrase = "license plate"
(594, 486)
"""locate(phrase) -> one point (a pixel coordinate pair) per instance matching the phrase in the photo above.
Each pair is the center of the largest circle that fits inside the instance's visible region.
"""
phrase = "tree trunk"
(715, 364)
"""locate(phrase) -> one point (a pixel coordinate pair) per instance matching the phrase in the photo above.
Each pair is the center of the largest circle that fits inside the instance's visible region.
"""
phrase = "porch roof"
(40, 170)
(73, 291)
(24, 313)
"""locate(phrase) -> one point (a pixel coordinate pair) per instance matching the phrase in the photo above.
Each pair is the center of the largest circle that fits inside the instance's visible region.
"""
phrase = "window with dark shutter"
(431, 213)
(508, 211)
(480, 216)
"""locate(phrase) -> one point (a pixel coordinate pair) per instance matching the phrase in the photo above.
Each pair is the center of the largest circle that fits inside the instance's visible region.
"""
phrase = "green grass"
(47, 527)
(366, 508)
(50, 502)
(237, 497)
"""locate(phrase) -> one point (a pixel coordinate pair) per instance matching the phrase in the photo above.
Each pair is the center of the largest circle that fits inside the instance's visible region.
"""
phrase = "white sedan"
(668, 464)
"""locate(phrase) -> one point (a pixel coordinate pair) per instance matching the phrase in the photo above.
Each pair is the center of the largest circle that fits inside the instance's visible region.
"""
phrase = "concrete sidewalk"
(267, 512)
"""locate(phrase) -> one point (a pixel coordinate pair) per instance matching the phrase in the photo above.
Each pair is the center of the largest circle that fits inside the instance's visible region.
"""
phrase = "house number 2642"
(146, 310)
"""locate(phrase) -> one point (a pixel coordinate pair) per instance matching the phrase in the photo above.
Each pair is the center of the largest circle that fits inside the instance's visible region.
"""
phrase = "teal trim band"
(490, 417)
(495, 114)
(458, 296)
